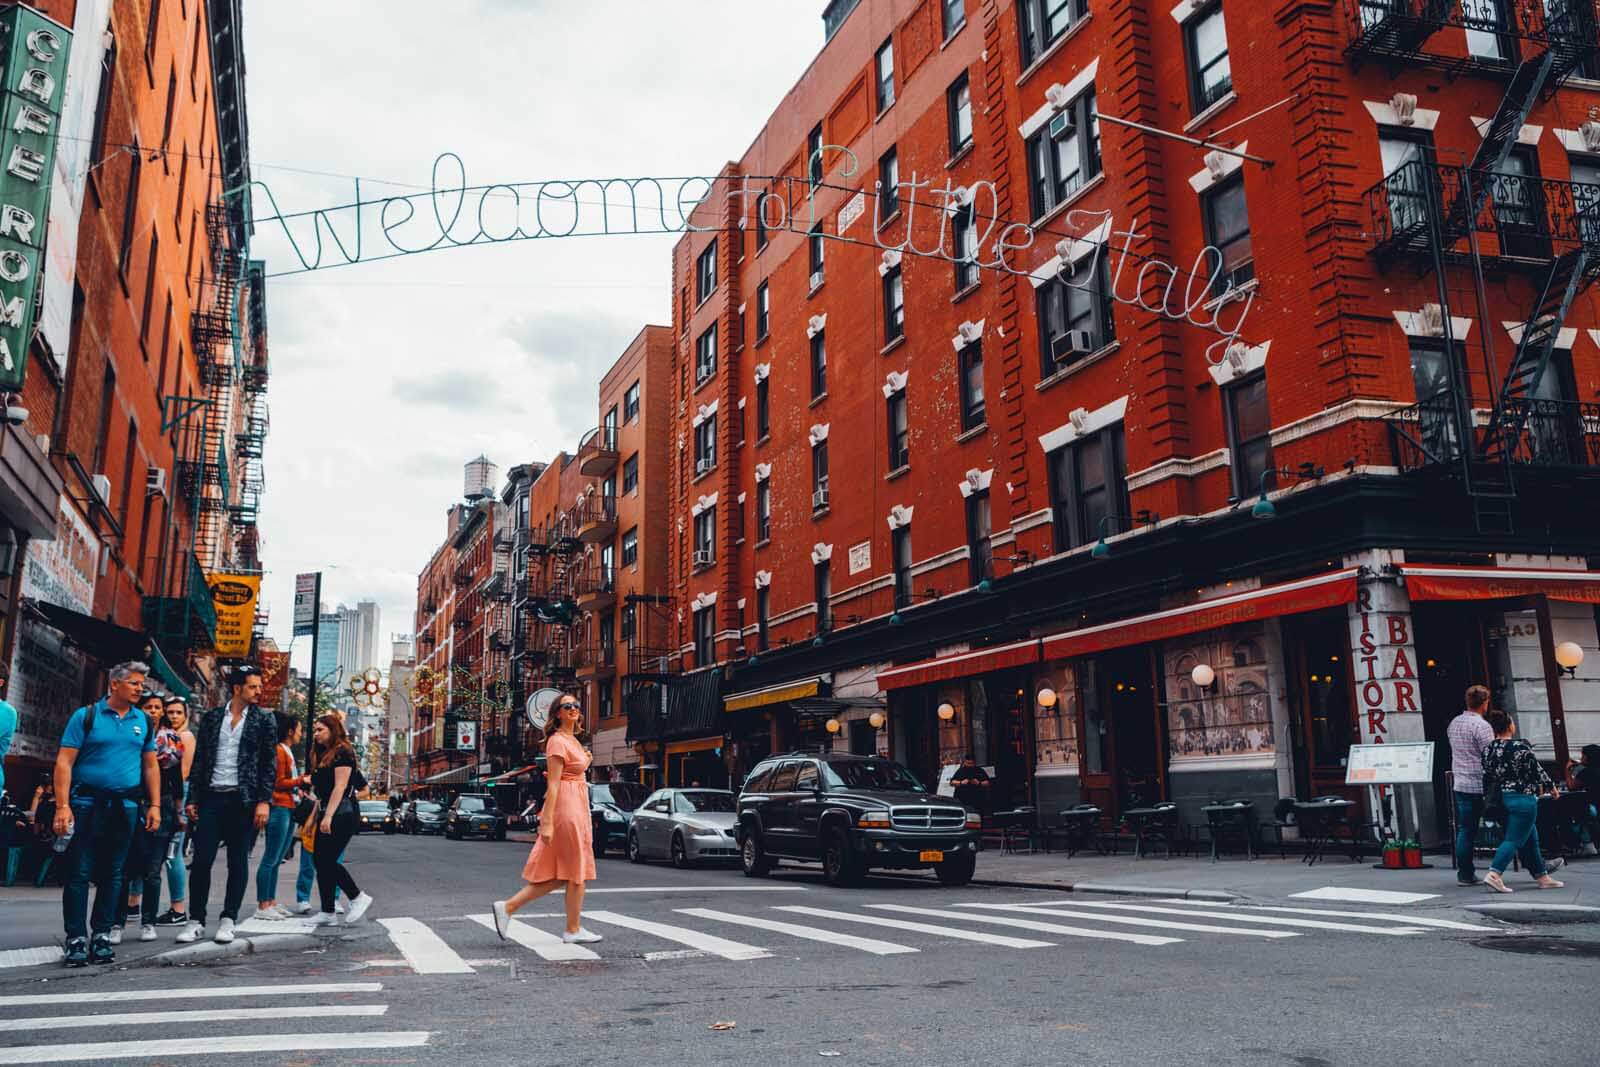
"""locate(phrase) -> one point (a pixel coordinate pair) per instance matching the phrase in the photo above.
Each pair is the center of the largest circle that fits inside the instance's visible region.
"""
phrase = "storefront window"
(1233, 717)
(1055, 729)
(1094, 723)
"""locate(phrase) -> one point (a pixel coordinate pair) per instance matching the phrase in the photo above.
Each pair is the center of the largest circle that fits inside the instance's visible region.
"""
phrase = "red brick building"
(1292, 398)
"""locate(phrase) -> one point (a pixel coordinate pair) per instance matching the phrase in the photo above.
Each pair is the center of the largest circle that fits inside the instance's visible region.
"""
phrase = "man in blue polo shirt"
(108, 755)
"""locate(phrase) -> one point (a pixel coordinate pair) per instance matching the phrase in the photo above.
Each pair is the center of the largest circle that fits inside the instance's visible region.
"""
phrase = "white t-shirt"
(225, 774)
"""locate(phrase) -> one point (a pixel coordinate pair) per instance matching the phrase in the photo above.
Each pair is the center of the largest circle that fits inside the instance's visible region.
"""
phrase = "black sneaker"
(101, 951)
(77, 952)
(172, 918)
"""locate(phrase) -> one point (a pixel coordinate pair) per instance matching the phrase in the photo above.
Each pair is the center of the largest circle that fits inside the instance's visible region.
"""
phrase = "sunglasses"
(566, 705)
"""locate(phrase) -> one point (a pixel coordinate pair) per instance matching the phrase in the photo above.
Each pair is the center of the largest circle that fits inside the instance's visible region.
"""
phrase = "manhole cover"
(1542, 946)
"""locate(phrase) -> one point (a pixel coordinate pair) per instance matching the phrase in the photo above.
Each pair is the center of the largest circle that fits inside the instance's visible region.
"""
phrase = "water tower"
(481, 476)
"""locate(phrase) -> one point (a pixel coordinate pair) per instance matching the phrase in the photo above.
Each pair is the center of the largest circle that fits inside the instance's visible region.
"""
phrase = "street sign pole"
(311, 675)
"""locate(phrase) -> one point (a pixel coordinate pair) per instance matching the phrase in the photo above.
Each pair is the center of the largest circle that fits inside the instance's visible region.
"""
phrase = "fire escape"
(1456, 219)
(250, 439)
(549, 655)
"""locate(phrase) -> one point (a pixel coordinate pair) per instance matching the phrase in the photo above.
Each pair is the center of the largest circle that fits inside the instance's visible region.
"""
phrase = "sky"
(388, 377)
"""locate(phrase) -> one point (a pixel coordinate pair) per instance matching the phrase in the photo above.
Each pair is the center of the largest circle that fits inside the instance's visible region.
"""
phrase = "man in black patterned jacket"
(230, 794)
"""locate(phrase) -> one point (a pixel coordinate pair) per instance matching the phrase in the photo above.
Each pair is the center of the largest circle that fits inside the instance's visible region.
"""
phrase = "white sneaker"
(302, 907)
(116, 935)
(324, 918)
(269, 914)
(224, 932)
(358, 908)
(502, 919)
(147, 933)
(338, 907)
(193, 932)
(1590, 850)
(582, 937)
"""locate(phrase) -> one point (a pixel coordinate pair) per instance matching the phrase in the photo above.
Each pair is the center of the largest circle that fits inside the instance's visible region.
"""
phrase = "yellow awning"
(760, 698)
(703, 744)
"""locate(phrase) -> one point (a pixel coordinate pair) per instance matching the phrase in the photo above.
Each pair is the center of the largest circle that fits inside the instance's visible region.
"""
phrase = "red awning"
(1289, 598)
(1425, 582)
(960, 665)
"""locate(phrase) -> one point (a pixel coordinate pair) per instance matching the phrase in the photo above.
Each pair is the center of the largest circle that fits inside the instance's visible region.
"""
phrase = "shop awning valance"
(1425, 582)
(699, 744)
(454, 776)
(1288, 598)
(960, 665)
(773, 694)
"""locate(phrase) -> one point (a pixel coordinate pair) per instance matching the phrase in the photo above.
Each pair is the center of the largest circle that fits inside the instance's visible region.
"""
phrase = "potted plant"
(1413, 853)
(1393, 857)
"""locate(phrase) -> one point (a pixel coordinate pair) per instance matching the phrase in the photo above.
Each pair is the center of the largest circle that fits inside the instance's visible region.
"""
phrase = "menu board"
(1390, 764)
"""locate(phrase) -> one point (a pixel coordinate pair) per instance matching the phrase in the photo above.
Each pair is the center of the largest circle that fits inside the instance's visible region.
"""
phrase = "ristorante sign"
(34, 51)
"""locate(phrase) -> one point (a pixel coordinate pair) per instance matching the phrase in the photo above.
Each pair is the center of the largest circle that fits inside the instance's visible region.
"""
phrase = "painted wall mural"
(1234, 717)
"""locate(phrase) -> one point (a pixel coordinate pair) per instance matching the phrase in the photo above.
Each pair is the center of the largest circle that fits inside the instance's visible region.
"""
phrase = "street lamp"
(1569, 655)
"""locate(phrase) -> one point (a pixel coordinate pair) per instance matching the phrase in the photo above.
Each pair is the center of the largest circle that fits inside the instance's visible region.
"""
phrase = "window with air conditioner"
(815, 254)
(705, 361)
(819, 366)
(819, 475)
(1064, 155)
(763, 511)
(705, 445)
(1075, 315)
(705, 537)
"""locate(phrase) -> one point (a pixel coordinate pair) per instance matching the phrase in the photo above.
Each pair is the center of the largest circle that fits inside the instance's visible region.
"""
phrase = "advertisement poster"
(234, 596)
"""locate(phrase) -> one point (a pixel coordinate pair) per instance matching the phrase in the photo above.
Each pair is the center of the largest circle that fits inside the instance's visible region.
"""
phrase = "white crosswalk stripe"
(716, 946)
(313, 989)
(1031, 924)
(923, 928)
(1309, 924)
(211, 1046)
(548, 946)
(1130, 920)
(808, 933)
(214, 1015)
(423, 949)
(1395, 916)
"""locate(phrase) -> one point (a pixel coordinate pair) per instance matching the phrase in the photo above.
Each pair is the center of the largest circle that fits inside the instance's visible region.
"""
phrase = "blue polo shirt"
(114, 757)
(8, 729)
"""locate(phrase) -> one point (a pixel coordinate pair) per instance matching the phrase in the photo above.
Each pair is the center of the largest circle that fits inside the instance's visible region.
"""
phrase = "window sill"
(903, 469)
(961, 153)
(701, 383)
(890, 217)
(972, 434)
(953, 34)
(1050, 53)
(763, 543)
(1094, 357)
(819, 398)
(884, 111)
(763, 439)
(816, 289)
(701, 568)
(1217, 303)
(762, 339)
(968, 291)
(892, 345)
(1211, 112)
(703, 475)
(1072, 198)
(817, 513)
(702, 301)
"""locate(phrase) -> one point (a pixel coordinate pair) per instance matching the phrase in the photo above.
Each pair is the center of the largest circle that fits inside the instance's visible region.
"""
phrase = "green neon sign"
(32, 83)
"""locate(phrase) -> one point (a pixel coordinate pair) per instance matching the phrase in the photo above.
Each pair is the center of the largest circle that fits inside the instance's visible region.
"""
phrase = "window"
(822, 583)
(150, 29)
(761, 220)
(901, 547)
(814, 247)
(954, 16)
(970, 361)
(149, 292)
(966, 251)
(899, 431)
(610, 424)
(819, 366)
(1228, 230)
(739, 437)
(814, 154)
(1206, 43)
(166, 123)
(1519, 208)
(130, 209)
(630, 622)
(738, 519)
(884, 65)
(630, 474)
(630, 547)
(704, 643)
(608, 643)
(705, 537)
(1088, 484)
(705, 355)
(1487, 29)
(1042, 22)
(894, 306)
(705, 445)
(763, 412)
(1406, 158)
(763, 312)
(888, 185)
(958, 106)
(763, 511)
(1249, 433)
(630, 403)
(705, 273)
(980, 553)
(603, 692)
(763, 613)
(1064, 155)
(1075, 315)
(819, 475)
(102, 105)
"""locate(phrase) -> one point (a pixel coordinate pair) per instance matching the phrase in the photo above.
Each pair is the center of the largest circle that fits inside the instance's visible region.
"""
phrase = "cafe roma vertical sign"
(34, 51)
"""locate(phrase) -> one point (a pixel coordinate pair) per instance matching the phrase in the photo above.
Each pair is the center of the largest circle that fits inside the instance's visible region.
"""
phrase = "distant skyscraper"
(358, 638)
(325, 669)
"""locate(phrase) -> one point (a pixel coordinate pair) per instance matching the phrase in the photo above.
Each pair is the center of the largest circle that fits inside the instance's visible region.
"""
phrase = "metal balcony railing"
(597, 451)
(645, 663)
(186, 622)
(1555, 433)
(595, 580)
(1497, 31)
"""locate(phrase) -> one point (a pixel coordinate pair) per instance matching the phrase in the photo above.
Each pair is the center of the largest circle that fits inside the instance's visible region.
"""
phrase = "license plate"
(930, 856)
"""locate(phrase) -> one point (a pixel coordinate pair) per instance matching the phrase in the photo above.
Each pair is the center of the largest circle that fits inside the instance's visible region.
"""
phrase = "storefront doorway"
(1124, 745)
(1321, 694)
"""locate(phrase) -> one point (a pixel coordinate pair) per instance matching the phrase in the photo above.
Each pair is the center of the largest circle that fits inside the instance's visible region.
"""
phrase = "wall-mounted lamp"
(1144, 517)
(877, 719)
(946, 712)
(1046, 697)
(1569, 654)
(1203, 677)
(832, 725)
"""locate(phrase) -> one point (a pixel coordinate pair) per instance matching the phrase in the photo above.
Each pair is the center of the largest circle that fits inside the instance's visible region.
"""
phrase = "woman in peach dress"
(564, 853)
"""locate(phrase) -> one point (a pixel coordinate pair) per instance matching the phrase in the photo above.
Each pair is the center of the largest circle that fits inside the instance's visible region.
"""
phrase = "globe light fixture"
(876, 720)
(946, 712)
(832, 725)
(1569, 655)
(1202, 675)
(1046, 697)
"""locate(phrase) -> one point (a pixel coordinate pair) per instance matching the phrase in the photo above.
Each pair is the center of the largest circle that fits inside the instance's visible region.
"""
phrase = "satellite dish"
(539, 705)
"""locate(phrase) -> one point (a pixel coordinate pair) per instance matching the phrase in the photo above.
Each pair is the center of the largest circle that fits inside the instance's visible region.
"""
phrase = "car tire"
(957, 871)
(635, 853)
(752, 857)
(680, 854)
(600, 843)
(840, 865)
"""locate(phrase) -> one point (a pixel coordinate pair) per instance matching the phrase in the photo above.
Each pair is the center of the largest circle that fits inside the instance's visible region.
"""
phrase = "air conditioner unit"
(1060, 125)
(704, 466)
(102, 488)
(155, 481)
(703, 371)
(704, 557)
(816, 278)
(819, 499)
(1073, 342)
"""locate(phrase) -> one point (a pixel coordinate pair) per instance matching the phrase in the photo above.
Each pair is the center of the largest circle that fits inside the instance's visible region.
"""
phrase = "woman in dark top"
(1511, 768)
(335, 781)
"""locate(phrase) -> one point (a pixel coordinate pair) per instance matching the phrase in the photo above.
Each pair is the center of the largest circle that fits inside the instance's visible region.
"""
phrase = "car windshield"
(624, 795)
(374, 807)
(475, 804)
(869, 774)
(427, 808)
(706, 800)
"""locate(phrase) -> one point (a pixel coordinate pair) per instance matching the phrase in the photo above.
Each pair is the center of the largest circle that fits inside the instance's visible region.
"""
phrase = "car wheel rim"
(749, 852)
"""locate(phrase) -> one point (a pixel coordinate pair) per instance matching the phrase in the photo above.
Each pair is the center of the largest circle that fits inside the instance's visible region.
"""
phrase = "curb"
(1537, 913)
(210, 952)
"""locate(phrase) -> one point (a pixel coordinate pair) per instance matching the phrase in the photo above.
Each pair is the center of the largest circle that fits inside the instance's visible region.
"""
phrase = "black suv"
(474, 813)
(852, 813)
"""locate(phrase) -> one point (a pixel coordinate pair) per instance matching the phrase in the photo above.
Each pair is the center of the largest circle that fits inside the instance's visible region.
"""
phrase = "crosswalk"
(233, 1020)
(466, 944)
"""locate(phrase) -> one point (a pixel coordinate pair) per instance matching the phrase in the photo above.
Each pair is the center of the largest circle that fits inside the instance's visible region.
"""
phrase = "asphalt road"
(895, 972)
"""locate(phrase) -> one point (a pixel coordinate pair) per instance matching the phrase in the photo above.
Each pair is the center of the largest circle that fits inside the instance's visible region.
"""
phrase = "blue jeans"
(1469, 812)
(1522, 835)
(308, 876)
(177, 872)
(280, 823)
(101, 837)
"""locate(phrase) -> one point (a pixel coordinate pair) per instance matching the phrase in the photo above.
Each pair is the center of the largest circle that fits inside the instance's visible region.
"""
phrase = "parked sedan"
(687, 826)
(375, 815)
(474, 813)
(422, 817)
(611, 807)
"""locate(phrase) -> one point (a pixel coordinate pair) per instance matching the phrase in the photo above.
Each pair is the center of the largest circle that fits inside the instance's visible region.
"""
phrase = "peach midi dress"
(569, 855)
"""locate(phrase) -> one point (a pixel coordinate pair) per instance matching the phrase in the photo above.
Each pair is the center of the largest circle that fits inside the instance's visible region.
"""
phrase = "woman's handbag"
(308, 835)
(303, 809)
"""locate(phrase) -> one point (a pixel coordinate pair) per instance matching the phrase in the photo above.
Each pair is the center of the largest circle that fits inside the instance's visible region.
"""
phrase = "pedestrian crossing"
(236, 1020)
(467, 944)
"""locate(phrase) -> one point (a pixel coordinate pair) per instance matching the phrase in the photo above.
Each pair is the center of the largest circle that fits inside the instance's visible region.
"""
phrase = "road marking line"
(548, 946)
(201, 1046)
(1312, 924)
(922, 928)
(674, 954)
(29, 957)
(809, 933)
(190, 992)
(693, 889)
(219, 1015)
(405, 963)
(716, 946)
(423, 949)
(1129, 920)
(1409, 920)
(1363, 896)
(1031, 924)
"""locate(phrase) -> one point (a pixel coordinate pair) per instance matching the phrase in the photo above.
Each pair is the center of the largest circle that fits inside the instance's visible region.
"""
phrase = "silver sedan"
(687, 826)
